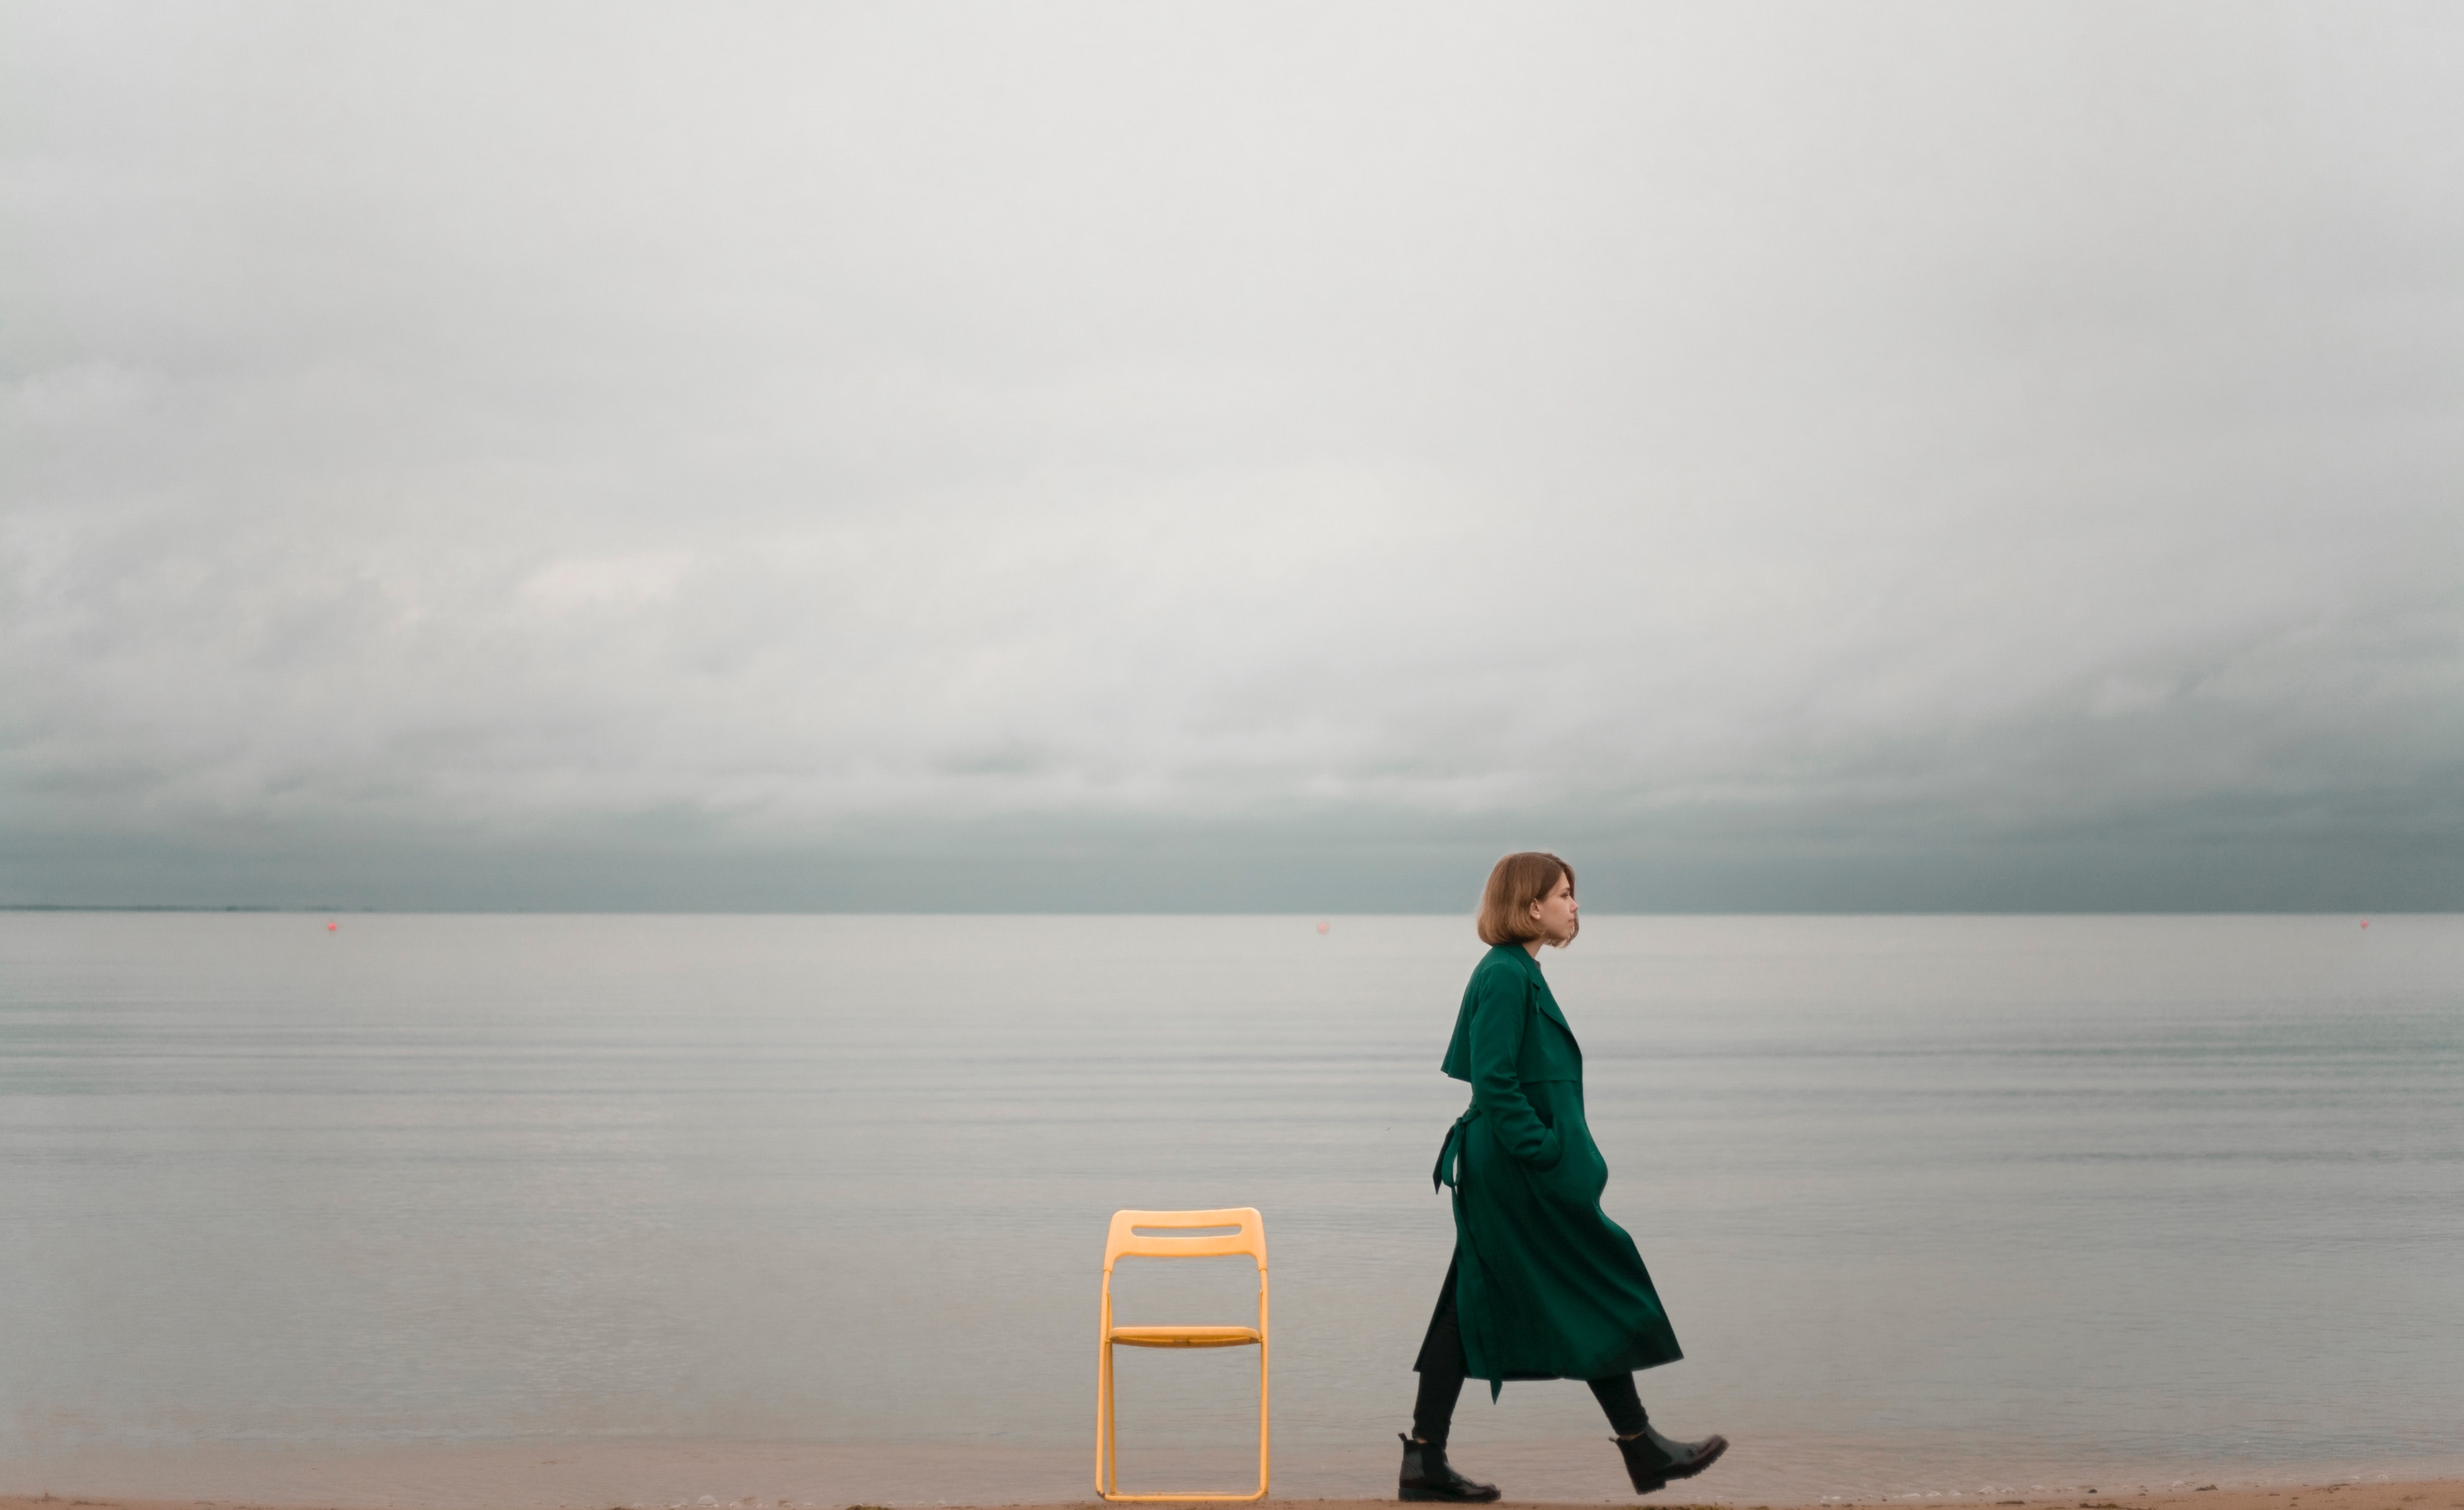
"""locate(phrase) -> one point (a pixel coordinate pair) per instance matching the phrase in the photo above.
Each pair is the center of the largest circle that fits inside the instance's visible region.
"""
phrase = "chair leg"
(1265, 1341)
(1103, 1408)
(1262, 1416)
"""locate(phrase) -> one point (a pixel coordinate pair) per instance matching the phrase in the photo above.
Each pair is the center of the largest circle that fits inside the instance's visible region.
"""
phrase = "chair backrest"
(1250, 1236)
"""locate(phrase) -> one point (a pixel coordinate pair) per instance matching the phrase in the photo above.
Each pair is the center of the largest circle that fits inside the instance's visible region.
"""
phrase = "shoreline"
(706, 1473)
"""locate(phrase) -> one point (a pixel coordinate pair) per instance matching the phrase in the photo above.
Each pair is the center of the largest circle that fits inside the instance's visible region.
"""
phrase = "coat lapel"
(1548, 1000)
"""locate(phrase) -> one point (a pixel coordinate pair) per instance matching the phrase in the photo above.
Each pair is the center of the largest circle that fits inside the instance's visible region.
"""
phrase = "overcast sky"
(1249, 456)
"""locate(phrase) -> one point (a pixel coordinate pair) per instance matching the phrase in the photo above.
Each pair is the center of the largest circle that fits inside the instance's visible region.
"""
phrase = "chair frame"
(1125, 1241)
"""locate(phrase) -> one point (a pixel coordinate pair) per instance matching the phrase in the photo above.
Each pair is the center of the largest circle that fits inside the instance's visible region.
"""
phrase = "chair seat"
(1186, 1336)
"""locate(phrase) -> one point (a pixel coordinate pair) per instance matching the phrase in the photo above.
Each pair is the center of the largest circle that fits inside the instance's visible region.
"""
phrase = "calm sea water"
(810, 1209)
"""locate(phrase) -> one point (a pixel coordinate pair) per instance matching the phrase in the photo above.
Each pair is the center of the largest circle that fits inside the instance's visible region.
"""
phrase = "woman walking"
(1543, 1284)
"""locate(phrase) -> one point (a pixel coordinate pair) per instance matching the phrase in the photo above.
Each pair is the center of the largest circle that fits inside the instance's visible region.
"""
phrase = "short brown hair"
(1518, 882)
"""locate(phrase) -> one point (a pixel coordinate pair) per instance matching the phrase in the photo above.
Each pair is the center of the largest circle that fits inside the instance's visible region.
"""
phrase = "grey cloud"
(1278, 444)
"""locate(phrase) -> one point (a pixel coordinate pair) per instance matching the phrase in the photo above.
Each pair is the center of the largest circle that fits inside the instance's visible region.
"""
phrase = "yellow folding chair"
(1249, 1237)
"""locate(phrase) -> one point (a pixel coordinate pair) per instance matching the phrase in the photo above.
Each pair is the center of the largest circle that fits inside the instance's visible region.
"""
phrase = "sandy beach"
(2437, 1494)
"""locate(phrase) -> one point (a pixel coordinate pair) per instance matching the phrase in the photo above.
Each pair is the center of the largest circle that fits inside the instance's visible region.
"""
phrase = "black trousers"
(1443, 1367)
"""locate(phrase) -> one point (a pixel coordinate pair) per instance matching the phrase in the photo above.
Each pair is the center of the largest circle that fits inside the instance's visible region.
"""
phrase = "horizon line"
(336, 910)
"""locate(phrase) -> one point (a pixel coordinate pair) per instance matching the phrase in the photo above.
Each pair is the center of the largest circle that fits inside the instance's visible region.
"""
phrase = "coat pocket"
(1581, 1173)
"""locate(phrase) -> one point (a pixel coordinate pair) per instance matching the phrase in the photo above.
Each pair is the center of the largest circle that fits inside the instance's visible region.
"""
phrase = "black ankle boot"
(1428, 1476)
(1652, 1460)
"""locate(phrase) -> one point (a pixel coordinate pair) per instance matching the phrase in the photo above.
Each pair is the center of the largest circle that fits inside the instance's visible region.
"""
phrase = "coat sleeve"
(1497, 1024)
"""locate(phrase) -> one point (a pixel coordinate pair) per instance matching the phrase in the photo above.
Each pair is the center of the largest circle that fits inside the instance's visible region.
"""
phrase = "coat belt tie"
(1450, 1170)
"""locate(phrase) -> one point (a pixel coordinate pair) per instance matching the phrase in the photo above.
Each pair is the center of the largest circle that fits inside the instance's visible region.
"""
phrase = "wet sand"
(2437, 1493)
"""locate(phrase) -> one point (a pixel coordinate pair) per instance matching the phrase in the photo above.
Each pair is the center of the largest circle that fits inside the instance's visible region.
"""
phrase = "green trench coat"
(1547, 1286)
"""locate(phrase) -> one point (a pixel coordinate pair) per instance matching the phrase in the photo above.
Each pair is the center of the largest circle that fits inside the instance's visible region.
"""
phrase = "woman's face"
(1557, 915)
